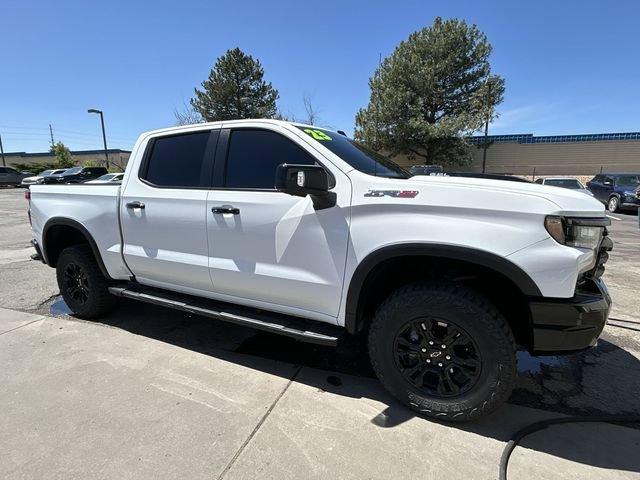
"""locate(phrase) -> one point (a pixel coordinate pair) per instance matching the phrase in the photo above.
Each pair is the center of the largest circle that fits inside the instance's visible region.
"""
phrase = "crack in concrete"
(257, 427)
(16, 328)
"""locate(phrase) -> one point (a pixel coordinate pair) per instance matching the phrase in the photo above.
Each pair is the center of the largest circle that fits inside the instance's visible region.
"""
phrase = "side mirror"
(302, 180)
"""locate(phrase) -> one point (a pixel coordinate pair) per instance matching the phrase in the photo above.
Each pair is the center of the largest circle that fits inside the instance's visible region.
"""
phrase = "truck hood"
(565, 201)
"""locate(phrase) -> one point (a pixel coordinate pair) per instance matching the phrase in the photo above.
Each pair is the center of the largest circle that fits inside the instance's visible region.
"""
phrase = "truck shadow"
(603, 380)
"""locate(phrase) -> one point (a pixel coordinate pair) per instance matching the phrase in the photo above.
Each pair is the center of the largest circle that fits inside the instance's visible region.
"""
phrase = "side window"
(540, 181)
(177, 161)
(254, 155)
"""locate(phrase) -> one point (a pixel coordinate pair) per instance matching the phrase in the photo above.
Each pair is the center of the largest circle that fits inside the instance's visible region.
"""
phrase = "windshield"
(71, 171)
(46, 172)
(629, 180)
(564, 183)
(357, 155)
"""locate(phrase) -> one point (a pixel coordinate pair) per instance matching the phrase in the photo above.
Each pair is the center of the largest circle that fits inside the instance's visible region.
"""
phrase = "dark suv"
(76, 175)
(616, 190)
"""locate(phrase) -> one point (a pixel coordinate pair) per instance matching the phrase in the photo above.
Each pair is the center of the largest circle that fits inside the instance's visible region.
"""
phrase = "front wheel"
(443, 350)
(614, 204)
(84, 288)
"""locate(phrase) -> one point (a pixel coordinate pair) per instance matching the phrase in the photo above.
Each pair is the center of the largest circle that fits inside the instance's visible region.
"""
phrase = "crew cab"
(11, 176)
(300, 231)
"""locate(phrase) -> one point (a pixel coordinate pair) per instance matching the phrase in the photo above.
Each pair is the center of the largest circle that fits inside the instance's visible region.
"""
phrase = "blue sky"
(570, 66)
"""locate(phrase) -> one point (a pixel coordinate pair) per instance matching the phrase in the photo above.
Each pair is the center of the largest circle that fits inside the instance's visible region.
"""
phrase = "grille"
(606, 245)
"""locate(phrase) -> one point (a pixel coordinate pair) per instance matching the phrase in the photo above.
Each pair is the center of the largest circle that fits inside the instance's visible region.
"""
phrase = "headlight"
(630, 193)
(576, 232)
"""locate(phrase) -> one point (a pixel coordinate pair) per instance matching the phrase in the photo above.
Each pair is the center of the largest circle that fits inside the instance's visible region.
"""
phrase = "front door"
(270, 249)
(163, 213)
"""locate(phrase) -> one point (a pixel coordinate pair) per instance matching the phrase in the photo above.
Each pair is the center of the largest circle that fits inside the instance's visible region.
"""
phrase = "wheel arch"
(357, 292)
(59, 233)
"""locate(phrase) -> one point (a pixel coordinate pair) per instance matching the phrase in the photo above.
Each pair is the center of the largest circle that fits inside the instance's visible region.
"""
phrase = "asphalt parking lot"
(154, 393)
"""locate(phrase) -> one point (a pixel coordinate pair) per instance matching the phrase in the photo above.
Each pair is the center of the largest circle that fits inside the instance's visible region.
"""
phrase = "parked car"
(426, 170)
(9, 176)
(39, 178)
(300, 231)
(565, 182)
(108, 178)
(618, 191)
(489, 176)
(76, 175)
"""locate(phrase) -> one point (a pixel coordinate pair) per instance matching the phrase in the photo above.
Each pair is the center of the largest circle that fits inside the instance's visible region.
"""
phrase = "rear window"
(564, 183)
(178, 161)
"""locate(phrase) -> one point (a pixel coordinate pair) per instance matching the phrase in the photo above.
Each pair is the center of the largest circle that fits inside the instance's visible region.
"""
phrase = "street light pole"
(2, 153)
(486, 127)
(104, 135)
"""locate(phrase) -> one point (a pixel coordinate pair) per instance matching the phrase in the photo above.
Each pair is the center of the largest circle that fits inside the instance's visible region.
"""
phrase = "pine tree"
(235, 89)
(432, 92)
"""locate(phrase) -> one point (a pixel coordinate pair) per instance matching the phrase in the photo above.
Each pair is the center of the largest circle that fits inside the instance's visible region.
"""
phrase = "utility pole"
(4, 164)
(486, 127)
(51, 132)
(104, 135)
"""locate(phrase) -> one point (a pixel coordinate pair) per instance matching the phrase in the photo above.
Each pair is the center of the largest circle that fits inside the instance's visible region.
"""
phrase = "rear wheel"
(614, 204)
(443, 350)
(83, 286)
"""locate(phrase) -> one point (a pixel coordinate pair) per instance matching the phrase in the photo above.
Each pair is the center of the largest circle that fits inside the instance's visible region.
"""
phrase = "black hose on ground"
(534, 427)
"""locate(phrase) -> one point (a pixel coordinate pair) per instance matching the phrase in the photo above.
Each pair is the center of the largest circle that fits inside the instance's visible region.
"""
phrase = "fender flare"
(470, 255)
(67, 222)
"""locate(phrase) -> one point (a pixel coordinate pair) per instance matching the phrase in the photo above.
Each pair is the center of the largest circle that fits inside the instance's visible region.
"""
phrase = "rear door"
(4, 176)
(163, 212)
(271, 249)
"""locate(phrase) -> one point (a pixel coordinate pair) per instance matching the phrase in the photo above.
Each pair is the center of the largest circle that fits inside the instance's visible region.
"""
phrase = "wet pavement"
(602, 380)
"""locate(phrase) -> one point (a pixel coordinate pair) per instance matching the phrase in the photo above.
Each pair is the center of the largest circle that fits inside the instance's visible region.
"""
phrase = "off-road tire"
(98, 299)
(468, 310)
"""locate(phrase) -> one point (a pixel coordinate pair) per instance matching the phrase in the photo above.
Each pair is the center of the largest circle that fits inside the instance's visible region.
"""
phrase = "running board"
(298, 328)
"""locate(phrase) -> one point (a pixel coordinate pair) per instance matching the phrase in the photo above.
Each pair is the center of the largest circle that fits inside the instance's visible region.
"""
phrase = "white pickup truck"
(300, 231)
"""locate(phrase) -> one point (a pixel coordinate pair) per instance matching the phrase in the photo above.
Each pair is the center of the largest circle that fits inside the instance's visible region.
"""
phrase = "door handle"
(134, 205)
(226, 209)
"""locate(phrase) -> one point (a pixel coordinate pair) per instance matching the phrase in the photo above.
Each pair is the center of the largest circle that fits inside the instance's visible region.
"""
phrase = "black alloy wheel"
(437, 357)
(76, 283)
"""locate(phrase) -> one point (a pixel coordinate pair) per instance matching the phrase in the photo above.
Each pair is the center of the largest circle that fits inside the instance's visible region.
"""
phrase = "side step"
(298, 328)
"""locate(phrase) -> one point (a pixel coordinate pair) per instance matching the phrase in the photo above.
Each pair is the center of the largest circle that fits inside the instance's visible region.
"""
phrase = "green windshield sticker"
(317, 134)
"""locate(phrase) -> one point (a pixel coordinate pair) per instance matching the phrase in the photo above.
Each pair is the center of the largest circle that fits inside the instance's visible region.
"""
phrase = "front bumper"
(568, 325)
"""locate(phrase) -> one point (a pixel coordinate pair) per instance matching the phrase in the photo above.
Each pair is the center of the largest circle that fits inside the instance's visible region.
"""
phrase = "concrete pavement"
(86, 400)
(149, 392)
